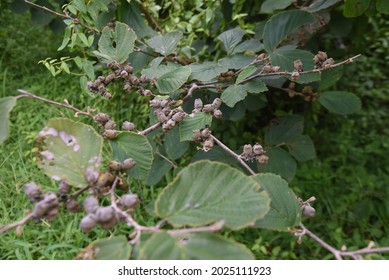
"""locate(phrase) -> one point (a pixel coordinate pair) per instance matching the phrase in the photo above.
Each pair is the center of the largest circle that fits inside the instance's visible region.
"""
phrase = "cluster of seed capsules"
(321, 60)
(212, 108)
(124, 72)
(256, 152)
(203, 136)
(109, 125)
(167, 116)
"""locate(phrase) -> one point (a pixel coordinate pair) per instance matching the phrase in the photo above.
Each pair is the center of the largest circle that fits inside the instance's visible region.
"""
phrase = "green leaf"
(193, 122)
(165, 44)
(330, 77)
(158, 71)
(135, 19)
(236, 61)
(161, 246)
(280, 162)
(206, 71)
(215, 154)
(116, 45)
(355, 8)
(255, 86)
(115, 248)
(279, 26)
(203, 246)
(233, 94)
(302, 149)
(132, 145)
(173, 147)
(340, 102)
(285, 57)
(208, 246)
(173, 80)
(254, 102)
(66, 38)
(231, 38)
(284, 130)
(285, 212)
(40, 17)
(269, 6)
(220, 193)
(247, 72)
(382, 6)
(70, 151)
(159, 169)
(6, 106)
(319, 5)
(252, 45)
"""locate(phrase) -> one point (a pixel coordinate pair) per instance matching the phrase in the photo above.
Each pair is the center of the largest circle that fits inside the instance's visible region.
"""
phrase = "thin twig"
(77, 193)
(142, 51)
(150, 129)
(211, 228)
(16, 224)
(340, 254)
(25, 93)
(192, 88)
(235, 155)
(168, 160)
(75, 20)
(150, 19)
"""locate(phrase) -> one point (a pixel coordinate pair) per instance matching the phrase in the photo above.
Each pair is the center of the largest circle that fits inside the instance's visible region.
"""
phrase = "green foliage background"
(349, 177)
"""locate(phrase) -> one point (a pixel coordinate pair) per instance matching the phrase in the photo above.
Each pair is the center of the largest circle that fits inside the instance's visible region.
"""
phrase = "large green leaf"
(6, 105)
(116, 45)
(247, 72)
(158, 71)
(207, 192)
(318, 5)
(194, 122)
(280, 162)
(206, 71)
(115, 248)
(173, 147)
(285, 57)
(159, 169)
(252, 45)
(132, 145)
(165, 44)
(233, 94)
(70, 151)
(303, 148)
(340, 102)
(173, 80)
(203, 246)
(237, 61)
(269, 6)
(255, 86)
(279, 26)
(382, 6)
(285, 212)
(355, 8)
(284, 130)
(231, 38)
(330, 77)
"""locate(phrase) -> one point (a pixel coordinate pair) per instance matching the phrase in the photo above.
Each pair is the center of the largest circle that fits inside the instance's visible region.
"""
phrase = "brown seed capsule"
(90, 204)
(198, 104)
(128, 68)
(217, 114)
(63, 188)
(101, 118)
(171, 123)
(308, 211)
(298, 65)
(205, 133)
(161, 117)
(143, 78)
(40, 209)
(208, 144)
(109, 78)
(165, 127)
(295, 75)
(105, 214)
(129, 163)
(258, 149)
(247, 150)
(208, 108)
(127, 87)
(155, 103)
(275, 68)
(110, 134)
(33, 191)
(128, 126)
(104, 179)
(196, 135)
(88, 223)
(101, 88)
(123, 74)
(147, 92)
(321, 56)
(164, 103)
(52, 213)
(329, 62)
(134, 80)
(267, 69)
(73, 206)
(262, 159)
(216, 103)
(178, 117)
(129, 200)
(110, 124)
(115, 165)
(101, 78)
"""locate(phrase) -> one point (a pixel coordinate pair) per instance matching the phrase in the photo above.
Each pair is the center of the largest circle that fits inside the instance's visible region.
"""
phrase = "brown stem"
(16, 224)
(25, 93)
(150, 129)
(168, 160)
(235, 155)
